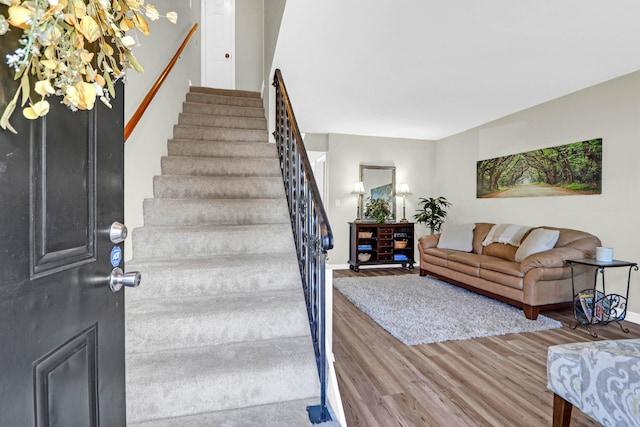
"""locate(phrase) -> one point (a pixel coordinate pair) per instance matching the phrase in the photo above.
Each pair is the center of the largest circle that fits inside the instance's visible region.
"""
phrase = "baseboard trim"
(632, 317)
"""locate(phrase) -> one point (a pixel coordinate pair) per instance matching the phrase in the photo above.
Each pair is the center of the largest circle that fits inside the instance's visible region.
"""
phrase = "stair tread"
(202, 115)
(223, 99)
(234, 273)
(291, 413)
(232, 211)
(183, 322)
(204, 379)
(214, 148)
(220, 128)
(182, 306)
(213, 141)
(231, 93)
(220, 166)
(220, 177)
(217, 186)
(212, 361)
(257, 112)
(213, 228)
(218, 261)
(197, 242)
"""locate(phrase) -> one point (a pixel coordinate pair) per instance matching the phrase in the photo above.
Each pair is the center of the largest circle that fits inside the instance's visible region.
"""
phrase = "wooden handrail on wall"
(131, 124)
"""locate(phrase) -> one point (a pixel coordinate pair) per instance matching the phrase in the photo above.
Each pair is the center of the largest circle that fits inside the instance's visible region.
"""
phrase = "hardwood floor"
(494, 381)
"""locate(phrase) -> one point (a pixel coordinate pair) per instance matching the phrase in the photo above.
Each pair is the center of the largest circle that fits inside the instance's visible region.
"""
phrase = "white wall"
(273, 11)
(610, 111)
(249, 49)
(415, 165)
(148, 142)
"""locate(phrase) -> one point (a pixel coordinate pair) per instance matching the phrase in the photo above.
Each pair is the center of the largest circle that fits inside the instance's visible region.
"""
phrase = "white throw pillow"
(457, 236)
(539, 240)
(509, 234)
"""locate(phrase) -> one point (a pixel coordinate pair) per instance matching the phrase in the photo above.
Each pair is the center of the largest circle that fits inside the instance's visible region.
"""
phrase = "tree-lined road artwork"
(566, 170)
(535, 190)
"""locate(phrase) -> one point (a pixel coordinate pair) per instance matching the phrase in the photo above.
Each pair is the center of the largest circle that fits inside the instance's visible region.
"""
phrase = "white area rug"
(423, 310)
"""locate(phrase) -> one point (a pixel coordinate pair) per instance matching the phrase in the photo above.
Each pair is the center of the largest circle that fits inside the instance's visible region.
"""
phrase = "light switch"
(337, 202)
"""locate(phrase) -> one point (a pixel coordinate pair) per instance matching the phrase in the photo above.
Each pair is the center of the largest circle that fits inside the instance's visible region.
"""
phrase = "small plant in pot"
(432, 212)
(377, 209)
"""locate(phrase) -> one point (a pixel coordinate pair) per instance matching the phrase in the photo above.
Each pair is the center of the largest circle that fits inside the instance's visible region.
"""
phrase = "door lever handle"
(118, 279)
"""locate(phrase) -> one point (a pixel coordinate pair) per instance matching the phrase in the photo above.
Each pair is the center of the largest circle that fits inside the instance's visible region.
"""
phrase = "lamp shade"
(358, 188)
(403, 190)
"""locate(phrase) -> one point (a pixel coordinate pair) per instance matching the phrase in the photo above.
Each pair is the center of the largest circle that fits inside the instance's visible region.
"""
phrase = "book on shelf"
(365, 247)
(400, 257)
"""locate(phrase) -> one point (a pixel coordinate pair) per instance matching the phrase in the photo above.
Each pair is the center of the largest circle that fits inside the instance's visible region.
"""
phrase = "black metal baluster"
(311, 231)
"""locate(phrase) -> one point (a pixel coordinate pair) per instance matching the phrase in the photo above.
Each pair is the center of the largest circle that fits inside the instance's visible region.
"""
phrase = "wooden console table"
(594, 307)
(384, 243)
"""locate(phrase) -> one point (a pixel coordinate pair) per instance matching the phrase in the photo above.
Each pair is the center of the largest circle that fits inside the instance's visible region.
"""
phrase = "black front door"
(61, 327)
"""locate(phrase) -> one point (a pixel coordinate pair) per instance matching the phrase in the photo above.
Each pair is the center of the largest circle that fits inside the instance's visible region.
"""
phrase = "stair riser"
(222, 110)
(251, 276)
(214, 212)
(201, 243)
(200, 119)
(247, 381)
(220, 166)
(224, 100)
(185, 187)
(222, 325)
(221, 149)
(234, 93)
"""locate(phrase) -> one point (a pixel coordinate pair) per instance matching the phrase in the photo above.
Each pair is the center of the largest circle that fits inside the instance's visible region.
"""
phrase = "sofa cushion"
(509, 234)
(555, 257)
(539, 240)
(500, 250)
(472, 259)
(479, 234)
(468, 263)
(502, 266)
(457, 236)
(437, 256)
(502, 278)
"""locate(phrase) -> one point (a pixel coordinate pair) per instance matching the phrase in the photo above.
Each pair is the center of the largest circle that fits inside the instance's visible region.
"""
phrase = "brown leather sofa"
(542, 281)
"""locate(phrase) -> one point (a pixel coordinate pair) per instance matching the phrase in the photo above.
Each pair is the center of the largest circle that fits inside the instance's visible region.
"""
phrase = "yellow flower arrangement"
(75, 49)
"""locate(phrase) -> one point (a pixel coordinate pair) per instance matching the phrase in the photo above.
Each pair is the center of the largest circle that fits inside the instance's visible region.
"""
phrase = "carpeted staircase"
(217, 333)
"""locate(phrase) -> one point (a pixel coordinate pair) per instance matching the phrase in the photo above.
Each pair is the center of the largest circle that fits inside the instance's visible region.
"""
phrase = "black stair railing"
(311, 231)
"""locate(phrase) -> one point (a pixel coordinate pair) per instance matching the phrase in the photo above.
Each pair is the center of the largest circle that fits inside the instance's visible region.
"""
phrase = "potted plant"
(432, 212)
(377, 209)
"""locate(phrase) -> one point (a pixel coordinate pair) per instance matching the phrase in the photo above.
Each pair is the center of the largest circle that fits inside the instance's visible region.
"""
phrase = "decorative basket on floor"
(400, 244)
(365, 234)
(364, 257)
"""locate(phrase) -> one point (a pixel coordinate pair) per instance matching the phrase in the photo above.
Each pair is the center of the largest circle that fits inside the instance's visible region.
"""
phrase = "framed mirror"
(379, 183)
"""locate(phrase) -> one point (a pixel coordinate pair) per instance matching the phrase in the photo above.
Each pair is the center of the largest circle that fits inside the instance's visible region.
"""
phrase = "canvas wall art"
(565, 170)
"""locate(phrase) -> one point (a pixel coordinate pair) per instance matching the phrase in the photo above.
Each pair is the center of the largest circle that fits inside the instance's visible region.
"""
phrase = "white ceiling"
(428, 69)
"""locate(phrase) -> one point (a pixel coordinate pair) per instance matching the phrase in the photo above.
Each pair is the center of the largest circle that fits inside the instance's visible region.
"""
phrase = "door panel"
(66, 382)
(218, 46)
(61, 327)
(62, 236)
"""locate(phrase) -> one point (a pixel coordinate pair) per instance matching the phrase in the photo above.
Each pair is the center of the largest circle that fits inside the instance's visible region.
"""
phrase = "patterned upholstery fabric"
(600, 378)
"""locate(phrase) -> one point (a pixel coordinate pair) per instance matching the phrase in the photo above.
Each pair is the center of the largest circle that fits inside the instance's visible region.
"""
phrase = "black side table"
(595, 307)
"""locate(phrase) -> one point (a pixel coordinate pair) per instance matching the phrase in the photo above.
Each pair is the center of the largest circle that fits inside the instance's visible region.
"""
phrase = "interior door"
(61, 327)
(218, 44)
